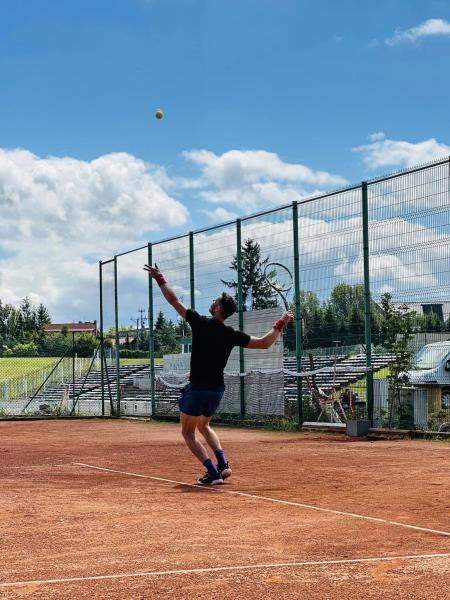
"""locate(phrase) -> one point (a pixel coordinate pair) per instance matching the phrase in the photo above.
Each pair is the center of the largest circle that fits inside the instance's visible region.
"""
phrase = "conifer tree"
(254, 282)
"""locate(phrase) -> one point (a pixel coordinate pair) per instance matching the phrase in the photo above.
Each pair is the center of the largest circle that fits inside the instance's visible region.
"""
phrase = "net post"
(151, 333)
(116, 320)
(298, 313)
(102, 372)
(367, 301)
(240, 313)
(191, 269)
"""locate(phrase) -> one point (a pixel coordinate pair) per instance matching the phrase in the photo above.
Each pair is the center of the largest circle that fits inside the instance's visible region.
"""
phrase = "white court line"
(267, 499)
(311, 563)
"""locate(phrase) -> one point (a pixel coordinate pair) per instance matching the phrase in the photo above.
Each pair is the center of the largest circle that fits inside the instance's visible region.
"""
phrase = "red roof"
(86, 327)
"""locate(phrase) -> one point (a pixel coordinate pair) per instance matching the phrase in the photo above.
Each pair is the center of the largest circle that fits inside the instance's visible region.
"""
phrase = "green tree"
(28, 320)
(54, 344)
(312, 314)
(348, 306)
(24, 349)
(165, 336)
(397, 326)
(85, 344)
(182, 329)
(254, 282)
(41, 318)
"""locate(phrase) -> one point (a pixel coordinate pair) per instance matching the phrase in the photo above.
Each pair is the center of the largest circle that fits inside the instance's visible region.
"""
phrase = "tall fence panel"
(409, 224)
(332, 299)
(342, 253)
(107, 398)
(172, 335)
(268, 289)
(49, 381)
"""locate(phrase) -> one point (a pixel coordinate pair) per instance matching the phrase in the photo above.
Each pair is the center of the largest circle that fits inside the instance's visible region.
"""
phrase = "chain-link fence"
(368, 270)
(49, 376)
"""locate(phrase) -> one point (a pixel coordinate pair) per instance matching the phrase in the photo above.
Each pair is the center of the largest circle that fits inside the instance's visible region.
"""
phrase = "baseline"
(313, 563)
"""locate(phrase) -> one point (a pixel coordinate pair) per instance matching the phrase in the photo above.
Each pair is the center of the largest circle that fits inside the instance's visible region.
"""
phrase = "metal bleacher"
(134, 385)
(349, 370)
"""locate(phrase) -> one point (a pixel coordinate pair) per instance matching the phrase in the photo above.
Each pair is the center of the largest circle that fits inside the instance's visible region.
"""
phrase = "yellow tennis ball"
(159, 113)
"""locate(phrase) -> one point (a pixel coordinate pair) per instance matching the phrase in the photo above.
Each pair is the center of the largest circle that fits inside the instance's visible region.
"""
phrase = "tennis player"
(212, 342)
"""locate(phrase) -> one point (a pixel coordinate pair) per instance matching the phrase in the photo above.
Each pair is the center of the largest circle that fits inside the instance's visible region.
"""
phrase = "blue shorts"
(200, 400)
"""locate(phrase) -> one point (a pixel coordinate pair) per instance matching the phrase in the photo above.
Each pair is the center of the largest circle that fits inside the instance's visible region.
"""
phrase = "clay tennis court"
(108, 509)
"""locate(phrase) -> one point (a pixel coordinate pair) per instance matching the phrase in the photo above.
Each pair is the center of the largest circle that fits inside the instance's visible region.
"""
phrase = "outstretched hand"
(154, 271)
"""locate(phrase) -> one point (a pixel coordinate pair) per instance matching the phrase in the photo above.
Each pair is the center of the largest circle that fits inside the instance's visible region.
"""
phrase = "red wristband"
(279, 325)
(160, 279)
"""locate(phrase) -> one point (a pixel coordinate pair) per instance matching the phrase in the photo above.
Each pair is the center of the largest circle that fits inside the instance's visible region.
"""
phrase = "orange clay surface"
(72, 531)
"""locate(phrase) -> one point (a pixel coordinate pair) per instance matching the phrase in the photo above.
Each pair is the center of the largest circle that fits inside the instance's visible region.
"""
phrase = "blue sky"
(299, 78)
(265, 101)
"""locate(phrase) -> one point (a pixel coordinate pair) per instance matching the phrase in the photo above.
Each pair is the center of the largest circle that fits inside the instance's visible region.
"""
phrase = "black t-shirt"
(212, 343)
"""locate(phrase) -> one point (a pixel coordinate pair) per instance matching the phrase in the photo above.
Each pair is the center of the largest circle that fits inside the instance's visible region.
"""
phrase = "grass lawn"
(16, 367)
(360, 386)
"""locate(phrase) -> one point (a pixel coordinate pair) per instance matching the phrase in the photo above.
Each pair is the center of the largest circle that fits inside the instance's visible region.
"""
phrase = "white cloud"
(221, 215)
(431, 27)
(60, 215)
(406, 257)
(255, 179)
(383, 152)
(238, 167)
(253, 197)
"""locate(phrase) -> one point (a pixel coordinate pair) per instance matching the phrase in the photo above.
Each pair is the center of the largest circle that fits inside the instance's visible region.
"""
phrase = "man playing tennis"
(212, 342)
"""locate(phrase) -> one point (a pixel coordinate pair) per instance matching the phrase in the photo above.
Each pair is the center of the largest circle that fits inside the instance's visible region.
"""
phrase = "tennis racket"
(280, 279)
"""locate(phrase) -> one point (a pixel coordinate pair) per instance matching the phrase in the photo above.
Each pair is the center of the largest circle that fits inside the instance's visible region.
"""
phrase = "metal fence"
(53, 380)
(345, 250)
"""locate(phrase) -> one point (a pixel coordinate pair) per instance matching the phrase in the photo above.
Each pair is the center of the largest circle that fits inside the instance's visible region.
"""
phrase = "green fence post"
(102, 373)
(367, 301)
(73, 370)
(240, 314)
(298, 314)
(116, 318)
(151, 333)
(191, 269)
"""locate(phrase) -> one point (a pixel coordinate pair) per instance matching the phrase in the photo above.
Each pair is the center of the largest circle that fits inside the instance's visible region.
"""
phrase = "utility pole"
(141, 311)
(139, 320)
(137, 329)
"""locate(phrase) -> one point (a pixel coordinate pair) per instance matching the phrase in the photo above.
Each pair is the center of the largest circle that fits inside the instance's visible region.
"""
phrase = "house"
(440, 308)
(80, 327)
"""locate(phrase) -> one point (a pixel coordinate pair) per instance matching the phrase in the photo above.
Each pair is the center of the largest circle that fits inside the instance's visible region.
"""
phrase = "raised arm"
(267, 340)
(167, 292)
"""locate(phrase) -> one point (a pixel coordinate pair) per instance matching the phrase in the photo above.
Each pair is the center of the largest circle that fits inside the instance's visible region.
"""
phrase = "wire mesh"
(409, 244)
(408, 249)
(106, 400)
(332, 301)
(172, 334)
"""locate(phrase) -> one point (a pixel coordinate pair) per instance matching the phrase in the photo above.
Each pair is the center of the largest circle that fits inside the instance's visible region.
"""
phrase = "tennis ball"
(159, 113)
